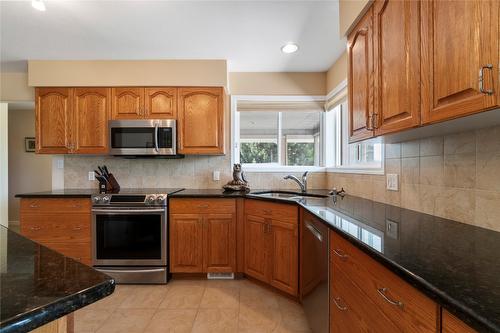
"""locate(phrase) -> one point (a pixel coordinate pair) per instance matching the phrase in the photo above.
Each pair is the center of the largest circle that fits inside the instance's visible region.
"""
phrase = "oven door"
(129, 237)
(143, 137)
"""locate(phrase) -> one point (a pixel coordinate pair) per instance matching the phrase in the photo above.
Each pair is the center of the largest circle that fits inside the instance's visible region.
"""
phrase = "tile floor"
(192, 306)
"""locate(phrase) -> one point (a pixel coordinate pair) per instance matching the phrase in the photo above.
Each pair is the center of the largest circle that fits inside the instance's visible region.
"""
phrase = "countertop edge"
(40, 316)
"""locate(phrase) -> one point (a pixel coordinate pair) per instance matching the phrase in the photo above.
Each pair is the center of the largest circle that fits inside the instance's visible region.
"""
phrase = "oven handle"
(126, 211)
(130, 270)
(157, 149)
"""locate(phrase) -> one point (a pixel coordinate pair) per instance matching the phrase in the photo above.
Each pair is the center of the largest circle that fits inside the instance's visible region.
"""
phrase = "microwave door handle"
(156, 138)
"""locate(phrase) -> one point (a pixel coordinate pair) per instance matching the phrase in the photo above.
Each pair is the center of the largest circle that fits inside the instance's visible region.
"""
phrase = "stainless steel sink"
(287, 195)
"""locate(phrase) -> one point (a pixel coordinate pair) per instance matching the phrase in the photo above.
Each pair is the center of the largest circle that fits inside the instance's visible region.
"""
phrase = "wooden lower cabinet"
(202, 236)
(397, 304)
(271, 245)
(451, 324)
(62, 225)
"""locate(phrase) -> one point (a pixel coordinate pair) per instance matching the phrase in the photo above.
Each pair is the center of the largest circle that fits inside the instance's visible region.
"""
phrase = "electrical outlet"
(60, 163)
(91, 175)
(392, 181)
(216, 175)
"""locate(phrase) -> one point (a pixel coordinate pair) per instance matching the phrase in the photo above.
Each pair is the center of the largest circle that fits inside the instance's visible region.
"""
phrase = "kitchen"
(347, 184)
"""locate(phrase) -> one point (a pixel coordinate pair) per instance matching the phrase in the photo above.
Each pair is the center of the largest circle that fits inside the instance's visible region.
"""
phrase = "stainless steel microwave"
(142, 137)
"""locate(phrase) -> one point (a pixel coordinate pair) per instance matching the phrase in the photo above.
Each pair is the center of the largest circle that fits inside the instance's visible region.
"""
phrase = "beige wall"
(453, 176)
(28, 172)
(43, 73)
(4, 216)
(14, 87)
(277, 83)
(349, 12)
(336, 73)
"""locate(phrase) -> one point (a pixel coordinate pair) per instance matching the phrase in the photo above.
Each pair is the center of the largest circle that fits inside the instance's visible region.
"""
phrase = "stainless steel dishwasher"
(314, 293)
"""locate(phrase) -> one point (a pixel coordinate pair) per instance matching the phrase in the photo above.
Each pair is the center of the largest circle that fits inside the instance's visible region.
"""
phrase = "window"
(283, 133)
(365, 156)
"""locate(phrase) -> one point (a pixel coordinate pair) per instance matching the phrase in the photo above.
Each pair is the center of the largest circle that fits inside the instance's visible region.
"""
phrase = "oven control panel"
(129, 200)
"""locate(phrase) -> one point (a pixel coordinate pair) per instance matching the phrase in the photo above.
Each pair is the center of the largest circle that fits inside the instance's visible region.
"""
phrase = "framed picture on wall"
(29, 144)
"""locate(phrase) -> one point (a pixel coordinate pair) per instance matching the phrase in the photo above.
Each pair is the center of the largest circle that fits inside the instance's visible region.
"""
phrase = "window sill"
(281, 169)
(362, 171)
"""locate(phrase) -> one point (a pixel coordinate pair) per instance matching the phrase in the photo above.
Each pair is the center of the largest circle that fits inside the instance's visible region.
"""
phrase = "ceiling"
(248, 34)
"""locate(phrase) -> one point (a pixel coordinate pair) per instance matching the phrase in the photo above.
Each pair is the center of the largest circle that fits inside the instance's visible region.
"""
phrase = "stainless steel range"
(129, 235)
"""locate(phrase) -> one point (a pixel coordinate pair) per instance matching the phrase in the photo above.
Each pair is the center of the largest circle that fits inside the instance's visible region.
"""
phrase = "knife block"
(109, 186)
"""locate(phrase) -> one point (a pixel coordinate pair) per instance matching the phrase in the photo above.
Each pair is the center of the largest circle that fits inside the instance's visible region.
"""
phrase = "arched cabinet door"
(92, 108)
(128, 103)
(360, 79)
(53, 120)
(160, 103)
(201, 121)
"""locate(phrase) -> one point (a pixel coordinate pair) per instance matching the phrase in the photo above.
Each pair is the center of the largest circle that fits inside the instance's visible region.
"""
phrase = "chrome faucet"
(302, 183)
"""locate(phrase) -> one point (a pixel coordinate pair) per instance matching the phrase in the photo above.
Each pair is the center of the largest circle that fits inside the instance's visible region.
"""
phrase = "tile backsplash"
(454, 176)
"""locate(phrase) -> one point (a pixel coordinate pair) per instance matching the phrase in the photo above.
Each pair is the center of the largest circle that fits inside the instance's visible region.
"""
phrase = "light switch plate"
(91, 175)
(60, 163)
(392, 182)
(216, 175)
(392, 229)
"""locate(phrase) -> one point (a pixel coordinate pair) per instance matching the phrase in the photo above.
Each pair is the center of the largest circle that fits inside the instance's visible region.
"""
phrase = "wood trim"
(240, 235)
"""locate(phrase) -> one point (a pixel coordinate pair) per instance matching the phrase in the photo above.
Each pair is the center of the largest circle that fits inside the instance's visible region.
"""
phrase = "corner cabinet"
(72, 120)
(272, 243)
(460, 58)
(360, 79)
(200, 124)
(202, 235)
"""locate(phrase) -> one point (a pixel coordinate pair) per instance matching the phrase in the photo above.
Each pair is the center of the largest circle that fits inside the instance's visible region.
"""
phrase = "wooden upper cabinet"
(53, 111)
(459, 41)
(128, 103)
(160, 103)
(92, 108)
(396, 54)
(360, 79)
(201, 121)
(451, 324)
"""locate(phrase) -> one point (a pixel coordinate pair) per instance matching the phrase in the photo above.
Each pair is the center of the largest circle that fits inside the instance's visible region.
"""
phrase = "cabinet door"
(452, 324)
(53, 111)
(360, 79)
(458, 39)
(160, 103)
(256, 257)
(283, 259)
(92, 108)
(219, 240)
(128, 103)
(201, 121)
(186, 243)
(396, 48)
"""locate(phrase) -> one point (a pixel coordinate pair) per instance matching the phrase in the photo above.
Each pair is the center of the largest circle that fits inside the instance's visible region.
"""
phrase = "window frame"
(271, 167)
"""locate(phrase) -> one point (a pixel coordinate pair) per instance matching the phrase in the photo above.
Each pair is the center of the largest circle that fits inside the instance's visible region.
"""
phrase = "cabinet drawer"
(408, 308)
(41, 205)
(282, 212)
(202, 206)
(78, 251)
(351, 311)
(452, 324)
(56, 227)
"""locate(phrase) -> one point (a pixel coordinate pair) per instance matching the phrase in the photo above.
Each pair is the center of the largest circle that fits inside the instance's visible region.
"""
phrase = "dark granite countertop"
(455, 264)
(38, 285)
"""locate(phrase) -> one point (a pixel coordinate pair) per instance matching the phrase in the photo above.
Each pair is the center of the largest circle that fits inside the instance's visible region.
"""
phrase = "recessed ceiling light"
(39, 5)
(289, 48)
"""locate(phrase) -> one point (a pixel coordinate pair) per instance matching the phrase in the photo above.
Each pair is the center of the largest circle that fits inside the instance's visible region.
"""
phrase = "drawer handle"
(481, 78)
(76, 206)
(382, 291)
(35, 228)
(340, 254)
(77, 228)
(336, 300)
(203, 206)
(267, 211)
(34, 205)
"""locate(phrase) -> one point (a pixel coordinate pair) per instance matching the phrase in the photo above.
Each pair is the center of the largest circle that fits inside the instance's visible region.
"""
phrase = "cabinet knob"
(337, 302)
(34, 205)
(35, 228)
(481, 79)
(339, 253)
